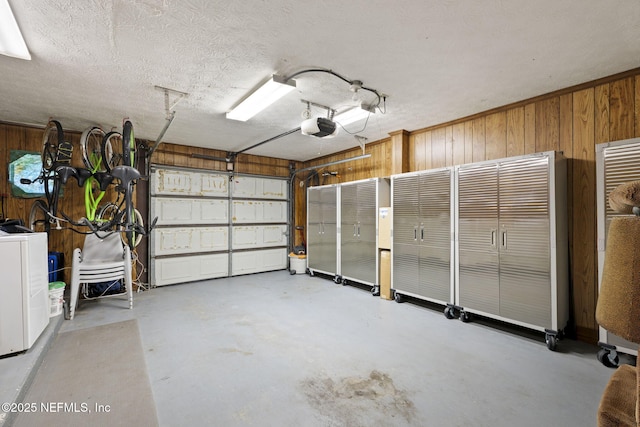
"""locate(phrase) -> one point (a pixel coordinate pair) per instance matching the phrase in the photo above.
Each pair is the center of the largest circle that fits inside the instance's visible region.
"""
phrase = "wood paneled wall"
(15, 137)
(573, 121)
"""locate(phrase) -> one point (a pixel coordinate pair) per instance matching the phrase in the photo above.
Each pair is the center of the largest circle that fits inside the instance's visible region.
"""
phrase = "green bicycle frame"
(91, 202)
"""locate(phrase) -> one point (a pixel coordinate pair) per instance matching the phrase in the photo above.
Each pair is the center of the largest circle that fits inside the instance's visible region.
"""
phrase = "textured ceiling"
(96, 62)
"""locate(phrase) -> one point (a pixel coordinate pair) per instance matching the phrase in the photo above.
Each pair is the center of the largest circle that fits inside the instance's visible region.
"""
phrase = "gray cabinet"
(359, 204)
(511, 243)
(616, 163)
(322, 229)
(422, 242)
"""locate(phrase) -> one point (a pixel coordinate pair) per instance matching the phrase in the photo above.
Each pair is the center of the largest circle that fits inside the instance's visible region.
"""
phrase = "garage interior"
(220, 330)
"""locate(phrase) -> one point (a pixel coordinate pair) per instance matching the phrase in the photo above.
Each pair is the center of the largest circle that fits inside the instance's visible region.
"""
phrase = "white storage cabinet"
(616, 163)
(24, 291)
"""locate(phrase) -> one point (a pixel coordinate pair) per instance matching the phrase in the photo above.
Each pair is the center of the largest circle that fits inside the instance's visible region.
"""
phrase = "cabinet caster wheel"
(449, 313)
(398, 297)
(552, 341)
(292, 272)
(608, 358)
(465, 317)
(337, 280)
(344, 282)
(311, 273)
(375, 291)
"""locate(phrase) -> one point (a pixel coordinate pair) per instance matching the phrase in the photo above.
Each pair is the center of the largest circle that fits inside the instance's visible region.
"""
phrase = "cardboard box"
(384, 228)
(385, 274)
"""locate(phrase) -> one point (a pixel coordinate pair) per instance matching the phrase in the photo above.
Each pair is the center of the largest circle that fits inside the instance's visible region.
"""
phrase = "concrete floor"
(273, 349)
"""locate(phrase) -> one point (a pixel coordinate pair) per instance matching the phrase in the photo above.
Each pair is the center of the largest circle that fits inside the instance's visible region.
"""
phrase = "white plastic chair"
(100, 260)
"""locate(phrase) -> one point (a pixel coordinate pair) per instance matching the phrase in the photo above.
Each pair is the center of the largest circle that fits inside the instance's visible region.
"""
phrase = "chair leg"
(130, 293)
(74, 299)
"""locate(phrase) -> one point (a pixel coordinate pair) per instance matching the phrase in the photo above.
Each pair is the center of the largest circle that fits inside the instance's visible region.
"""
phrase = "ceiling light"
(272, 90)
(353, 115)
(11, 41)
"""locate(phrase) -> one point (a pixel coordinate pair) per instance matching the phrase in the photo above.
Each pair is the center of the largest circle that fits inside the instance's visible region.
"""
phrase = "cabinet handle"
(422, 233)
(504, 239)
(358, 228)
(355, 231)
(415, 233)
(493, 238)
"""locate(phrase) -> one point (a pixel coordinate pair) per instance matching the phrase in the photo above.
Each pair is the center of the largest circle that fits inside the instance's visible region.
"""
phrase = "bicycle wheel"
(107, 213)
(52, 138)
(38, 217)
(128, 144)
(111, 149)
(91, 145)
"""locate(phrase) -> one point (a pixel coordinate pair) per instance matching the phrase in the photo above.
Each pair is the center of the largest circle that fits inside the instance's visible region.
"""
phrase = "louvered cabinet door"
(405, 204)
(619, 164)
(524, 241)
(367, 214)
(434, 235)
(478, 267)
(328, 258)
(348, 229)
(314, 227)
(322, 229)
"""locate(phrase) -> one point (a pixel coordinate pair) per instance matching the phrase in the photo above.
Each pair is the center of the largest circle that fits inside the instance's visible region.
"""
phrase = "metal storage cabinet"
(616, 163)
(422, 255)
(322, 230)
(359, 204)
(511, 242)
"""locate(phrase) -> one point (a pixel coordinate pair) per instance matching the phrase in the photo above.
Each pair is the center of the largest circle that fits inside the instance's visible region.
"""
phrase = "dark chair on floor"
(618, 308)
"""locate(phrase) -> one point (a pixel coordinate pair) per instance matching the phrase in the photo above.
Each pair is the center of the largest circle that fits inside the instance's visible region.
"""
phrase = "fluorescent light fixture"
(272, 90)
(11, 41)
(353, 115)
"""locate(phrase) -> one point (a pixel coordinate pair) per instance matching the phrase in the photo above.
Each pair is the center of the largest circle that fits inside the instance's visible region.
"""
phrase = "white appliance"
(24, 290)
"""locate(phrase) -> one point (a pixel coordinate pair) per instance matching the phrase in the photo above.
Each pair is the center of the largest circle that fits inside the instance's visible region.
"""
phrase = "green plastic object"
(56, 285)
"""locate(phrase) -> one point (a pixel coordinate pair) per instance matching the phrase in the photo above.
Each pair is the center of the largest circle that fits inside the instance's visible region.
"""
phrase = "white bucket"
(56, 300)
(297, 265)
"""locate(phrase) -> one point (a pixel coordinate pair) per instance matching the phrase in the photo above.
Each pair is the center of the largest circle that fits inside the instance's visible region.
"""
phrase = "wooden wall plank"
(448, 145)
(621, 113)
(419, 150)
(547, 125)
(583, 260)
(458, 144)
(637, 106)
(496, 134)
(566, 146)
(515, 131)
(438, 148)
(479, 140)
(428, 157)
(530, 128)
(468, 141)
(5, 189)
(601, 94)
